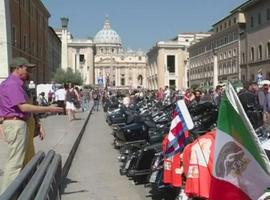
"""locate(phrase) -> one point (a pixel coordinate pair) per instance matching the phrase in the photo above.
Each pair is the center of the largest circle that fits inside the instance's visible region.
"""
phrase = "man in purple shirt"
(14, 111)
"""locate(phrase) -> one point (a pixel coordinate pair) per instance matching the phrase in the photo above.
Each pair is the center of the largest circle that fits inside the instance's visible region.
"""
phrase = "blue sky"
(140, 23)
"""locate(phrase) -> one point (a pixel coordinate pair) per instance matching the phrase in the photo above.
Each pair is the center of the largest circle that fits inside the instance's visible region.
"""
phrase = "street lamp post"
(186, 78)
(215, 69)
(64, 23)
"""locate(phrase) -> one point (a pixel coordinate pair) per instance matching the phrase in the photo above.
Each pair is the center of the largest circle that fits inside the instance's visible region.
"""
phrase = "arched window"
(140, 79)
(252, 54)
(260, 52)
(268, 49)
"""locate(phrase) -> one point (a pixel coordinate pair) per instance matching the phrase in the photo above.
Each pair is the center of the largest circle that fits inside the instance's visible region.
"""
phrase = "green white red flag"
(241, 168)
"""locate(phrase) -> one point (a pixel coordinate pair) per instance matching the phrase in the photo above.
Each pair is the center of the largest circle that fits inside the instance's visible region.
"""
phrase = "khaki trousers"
(15, 134)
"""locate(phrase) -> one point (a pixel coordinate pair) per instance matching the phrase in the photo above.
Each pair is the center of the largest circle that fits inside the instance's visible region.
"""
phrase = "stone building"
(240, 45)
(103, 61)
(54, 52)
(255, 39)
(29, 35)
(167, 61)
(217, 56)
(114, 65)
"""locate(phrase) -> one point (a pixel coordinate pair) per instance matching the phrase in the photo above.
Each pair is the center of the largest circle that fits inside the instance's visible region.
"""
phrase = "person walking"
(60, 97)
(96, 98)
(14, 111)
(72, 98)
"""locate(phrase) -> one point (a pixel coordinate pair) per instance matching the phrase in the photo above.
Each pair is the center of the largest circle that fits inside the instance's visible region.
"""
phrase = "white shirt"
(60, 94)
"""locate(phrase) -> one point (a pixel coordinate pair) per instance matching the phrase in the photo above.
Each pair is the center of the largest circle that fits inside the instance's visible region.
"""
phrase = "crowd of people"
(71, 99)
(19, 108)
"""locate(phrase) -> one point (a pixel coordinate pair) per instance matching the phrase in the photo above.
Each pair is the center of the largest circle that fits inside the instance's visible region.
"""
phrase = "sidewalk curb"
(75, 146)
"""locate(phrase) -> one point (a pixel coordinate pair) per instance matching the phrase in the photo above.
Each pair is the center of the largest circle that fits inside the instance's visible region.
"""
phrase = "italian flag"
(241, 168)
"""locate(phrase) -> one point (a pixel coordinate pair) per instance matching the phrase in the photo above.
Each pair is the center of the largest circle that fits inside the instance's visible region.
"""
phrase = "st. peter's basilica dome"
(107, 35)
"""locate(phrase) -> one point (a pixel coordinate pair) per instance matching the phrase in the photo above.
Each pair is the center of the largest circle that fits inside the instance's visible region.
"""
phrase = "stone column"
(77, 64)
(127, 83)
(134, 78)
(5, 39)
(215, 73)
(185, 83)
(116, 76)
(104, 76)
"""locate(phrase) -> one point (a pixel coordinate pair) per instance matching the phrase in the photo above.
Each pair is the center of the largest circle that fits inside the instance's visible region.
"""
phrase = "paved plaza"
(94, 173)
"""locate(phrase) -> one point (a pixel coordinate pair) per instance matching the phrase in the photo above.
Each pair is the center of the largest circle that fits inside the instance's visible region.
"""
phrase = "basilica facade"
(103, 61)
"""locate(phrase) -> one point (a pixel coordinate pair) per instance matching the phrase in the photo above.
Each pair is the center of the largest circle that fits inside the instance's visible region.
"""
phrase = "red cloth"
(172, 172)
(198, 165)
(219, 186)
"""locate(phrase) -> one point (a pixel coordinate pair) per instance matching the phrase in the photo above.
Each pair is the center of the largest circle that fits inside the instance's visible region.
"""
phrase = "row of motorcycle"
(138, 134)
(139, 131)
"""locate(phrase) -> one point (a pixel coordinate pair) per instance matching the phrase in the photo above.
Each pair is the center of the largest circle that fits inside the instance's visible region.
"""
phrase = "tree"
(68, 76)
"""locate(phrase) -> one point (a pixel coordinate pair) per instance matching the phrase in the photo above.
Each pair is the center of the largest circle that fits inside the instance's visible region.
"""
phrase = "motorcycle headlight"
(128, 131)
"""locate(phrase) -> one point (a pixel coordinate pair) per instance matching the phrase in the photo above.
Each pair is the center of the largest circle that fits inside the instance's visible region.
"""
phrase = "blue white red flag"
(181, 122)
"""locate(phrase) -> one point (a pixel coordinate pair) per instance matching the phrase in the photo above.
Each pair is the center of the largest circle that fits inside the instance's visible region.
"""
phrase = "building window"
(252, 54)
(225, 55)
(268, 75)
(234, 20)
(251, 22)
(252, 77)
(41, 52)
(220, 69)
(229, 23)
(221, 56)
(13, 36)
(82, 60)
(260, 52)
(140, 58)
(259, 18)
(243, 58)
(268, 49)
(268, 14)
(33, 48)
(171, 64)
(234, 52)
(24, 42)
(234, 67)
(23, 3)
(225, 68)
(235, 35)
(122, 81)
(230, 54)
